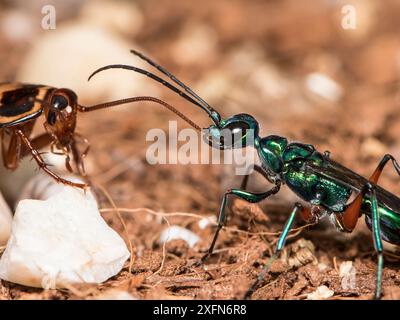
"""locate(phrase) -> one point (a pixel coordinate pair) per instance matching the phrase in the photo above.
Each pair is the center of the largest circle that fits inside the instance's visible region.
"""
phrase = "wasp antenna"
(150, 75)
(210, 110)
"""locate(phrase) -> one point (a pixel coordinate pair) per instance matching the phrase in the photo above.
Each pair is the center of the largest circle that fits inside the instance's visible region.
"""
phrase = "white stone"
(321, 293)
(345, 268)
(115, 294)
(62, 240)
(324, 86)
(42, 186)
(347, 273)
(322, 266)
(5, 221)
(177, 232)
(206, 221)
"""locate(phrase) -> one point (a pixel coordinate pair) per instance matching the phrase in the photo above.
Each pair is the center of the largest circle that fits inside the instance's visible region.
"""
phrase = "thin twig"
(115, 209)
(193, 215)
(335, 265)
(164, 253)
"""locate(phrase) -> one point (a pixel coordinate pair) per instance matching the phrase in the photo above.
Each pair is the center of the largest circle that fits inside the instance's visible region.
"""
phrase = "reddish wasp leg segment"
(350, 216)
(377, 173)
(43, 165)
(348, 219)
(307, 215)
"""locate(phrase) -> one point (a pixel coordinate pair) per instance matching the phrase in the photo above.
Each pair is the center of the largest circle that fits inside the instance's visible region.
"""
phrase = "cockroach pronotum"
(21, 105)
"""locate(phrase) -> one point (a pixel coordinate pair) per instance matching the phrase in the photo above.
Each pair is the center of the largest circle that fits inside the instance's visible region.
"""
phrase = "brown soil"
(295, 40)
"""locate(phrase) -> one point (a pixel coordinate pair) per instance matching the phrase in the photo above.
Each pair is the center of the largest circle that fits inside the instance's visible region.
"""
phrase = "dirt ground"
(260, 56)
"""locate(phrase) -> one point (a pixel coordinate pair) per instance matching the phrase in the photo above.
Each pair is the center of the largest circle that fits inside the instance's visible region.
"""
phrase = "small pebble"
(115, 294)
(303, 252)
(206, 221)
(322, 293)
(324, 86)
(347, 273)
(177, 232)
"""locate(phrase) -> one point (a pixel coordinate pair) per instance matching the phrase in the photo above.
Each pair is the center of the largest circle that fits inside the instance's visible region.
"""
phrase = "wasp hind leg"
(42, 164)
(377, 237)
(347, 220)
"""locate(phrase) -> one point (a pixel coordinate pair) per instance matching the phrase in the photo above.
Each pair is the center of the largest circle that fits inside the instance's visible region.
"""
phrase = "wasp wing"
(338, 173)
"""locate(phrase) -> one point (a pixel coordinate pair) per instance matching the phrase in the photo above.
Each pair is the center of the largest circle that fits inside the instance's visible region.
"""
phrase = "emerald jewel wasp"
(330, 188)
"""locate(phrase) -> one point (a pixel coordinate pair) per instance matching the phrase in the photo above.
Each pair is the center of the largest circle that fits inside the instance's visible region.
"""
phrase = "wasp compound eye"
(235, 134)
(60, 102)
(237, 127)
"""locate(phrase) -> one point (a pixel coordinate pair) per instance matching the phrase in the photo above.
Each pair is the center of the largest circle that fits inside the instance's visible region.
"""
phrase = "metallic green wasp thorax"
(289, 161)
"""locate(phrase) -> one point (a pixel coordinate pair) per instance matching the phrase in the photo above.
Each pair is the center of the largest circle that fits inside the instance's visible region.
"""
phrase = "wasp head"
(238, 131)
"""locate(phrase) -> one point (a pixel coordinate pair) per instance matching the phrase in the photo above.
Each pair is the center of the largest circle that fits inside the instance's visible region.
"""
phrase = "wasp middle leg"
(297, 210)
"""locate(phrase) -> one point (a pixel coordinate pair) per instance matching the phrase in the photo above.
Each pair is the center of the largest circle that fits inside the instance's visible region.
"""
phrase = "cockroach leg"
(79, 157)
(41, 163)
(12, 152)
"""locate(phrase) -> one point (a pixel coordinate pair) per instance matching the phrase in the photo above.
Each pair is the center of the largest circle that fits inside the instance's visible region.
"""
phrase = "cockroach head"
(60, 113)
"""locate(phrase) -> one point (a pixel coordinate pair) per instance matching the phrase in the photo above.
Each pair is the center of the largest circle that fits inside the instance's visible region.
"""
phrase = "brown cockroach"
(21, 105)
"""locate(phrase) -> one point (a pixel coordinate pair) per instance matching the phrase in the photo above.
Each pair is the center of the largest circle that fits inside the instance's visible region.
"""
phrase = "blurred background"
(314, 71)
(323, 72)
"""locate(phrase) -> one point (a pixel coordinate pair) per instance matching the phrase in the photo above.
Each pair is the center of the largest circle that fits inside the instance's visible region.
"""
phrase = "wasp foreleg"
(248, 196)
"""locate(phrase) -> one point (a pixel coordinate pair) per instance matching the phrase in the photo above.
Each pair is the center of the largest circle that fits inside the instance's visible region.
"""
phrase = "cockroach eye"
(60, 102)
